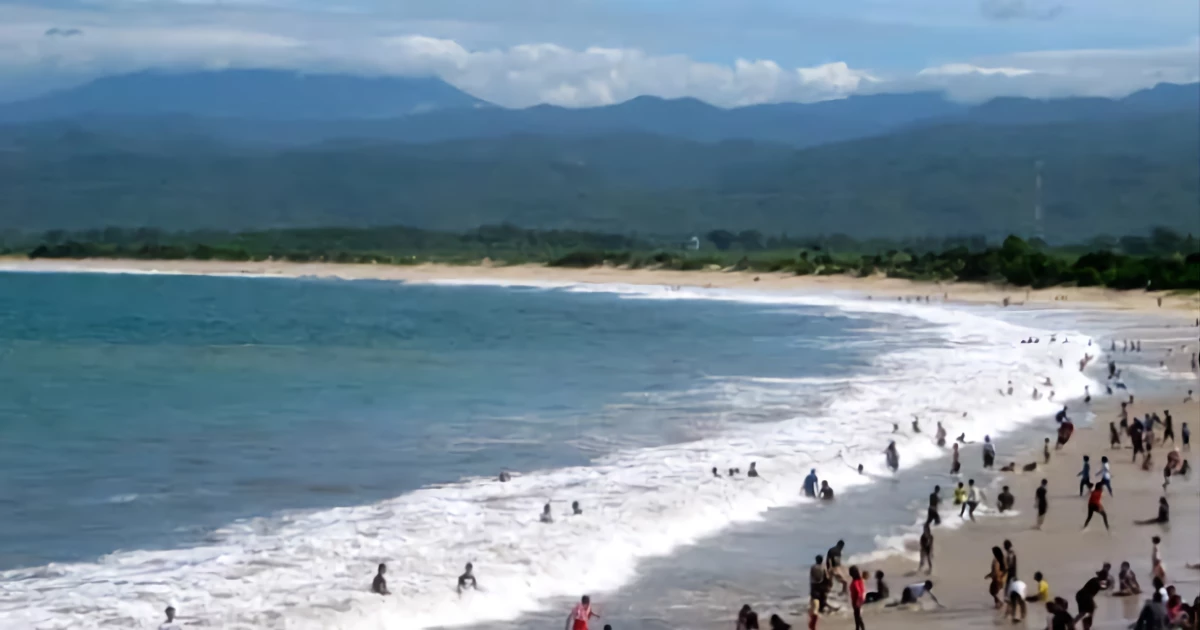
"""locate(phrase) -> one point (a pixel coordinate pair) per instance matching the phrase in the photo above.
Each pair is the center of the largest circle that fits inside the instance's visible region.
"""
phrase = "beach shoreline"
(542, 275)
(1065, 553)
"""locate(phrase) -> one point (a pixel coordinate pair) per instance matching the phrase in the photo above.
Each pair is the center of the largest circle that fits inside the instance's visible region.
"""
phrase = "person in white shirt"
(1016, 601)
(1105, 475)
(169, 624)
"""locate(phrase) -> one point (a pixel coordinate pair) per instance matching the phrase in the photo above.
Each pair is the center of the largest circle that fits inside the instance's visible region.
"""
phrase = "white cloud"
(528, 74)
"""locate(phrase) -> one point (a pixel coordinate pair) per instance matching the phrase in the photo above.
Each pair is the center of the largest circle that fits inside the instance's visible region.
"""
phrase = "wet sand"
(875, 286)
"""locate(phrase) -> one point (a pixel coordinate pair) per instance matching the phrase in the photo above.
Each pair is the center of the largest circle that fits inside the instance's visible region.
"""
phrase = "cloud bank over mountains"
(41, 48)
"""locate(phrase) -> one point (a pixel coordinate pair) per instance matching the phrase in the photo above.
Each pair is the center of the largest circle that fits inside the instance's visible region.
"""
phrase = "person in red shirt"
(578, 620)
(1095, 507)
(858, 595)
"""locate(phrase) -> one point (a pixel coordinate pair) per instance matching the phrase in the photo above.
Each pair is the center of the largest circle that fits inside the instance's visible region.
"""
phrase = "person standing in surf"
(989, 452)
(893, 456)
(467, 579)
(810, 484)
(955, 464)
(581, 614)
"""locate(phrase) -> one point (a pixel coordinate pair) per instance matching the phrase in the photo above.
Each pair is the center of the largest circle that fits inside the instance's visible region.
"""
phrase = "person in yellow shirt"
(960, 494)
(1043, 589)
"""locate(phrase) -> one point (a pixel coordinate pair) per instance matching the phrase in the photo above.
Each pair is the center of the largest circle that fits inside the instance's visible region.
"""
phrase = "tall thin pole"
(1037, 201)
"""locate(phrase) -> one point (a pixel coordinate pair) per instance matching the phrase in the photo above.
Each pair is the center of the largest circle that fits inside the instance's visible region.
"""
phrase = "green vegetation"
(966, 178)
(1165, 260)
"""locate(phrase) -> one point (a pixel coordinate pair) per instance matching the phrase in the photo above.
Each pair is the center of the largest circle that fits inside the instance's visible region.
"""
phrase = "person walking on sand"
(1095, 506)
(935, 500)
(989, 452)
(858, 596)
(1046, 451)
(581, 614)
(998, 575)
(1042, 503)
(974, 496)
(1114, 436)
(1156, 565)
(1085, 475)
(833, 564)
(1105, 475)
(926, 547)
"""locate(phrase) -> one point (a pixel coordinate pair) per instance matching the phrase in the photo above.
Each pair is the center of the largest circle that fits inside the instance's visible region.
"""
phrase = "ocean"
(249, 449)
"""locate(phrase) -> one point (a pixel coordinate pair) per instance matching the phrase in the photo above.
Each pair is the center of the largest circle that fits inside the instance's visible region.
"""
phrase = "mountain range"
(289, 109)
(429, 156)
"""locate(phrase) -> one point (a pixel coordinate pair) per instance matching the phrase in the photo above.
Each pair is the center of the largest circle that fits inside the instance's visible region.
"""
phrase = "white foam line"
(310, 569)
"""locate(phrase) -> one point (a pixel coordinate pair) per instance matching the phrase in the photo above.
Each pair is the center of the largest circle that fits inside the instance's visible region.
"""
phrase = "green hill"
(1100, 177)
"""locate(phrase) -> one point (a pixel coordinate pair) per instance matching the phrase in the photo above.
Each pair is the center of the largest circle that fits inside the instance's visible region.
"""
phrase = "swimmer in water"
(916, 425)
(575, 509)
(955, 465)
(379, 584)
(1010, 388)
(895, 427)
(860, 466)
(582, 613)
(893, 456)
(753, 472)
(546, 516)
(941, 435)
(716, 473)
(826, 491)
(467, 579)
(504, 477)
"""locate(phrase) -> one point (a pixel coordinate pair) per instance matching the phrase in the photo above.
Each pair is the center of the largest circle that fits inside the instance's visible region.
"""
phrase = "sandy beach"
(1062, 551)
(876, 286)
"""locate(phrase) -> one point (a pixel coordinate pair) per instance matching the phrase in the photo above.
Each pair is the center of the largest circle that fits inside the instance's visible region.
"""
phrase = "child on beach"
(1095, 506)
(1046, 451)
(881, 591)
(858, 595)
(1043, 589)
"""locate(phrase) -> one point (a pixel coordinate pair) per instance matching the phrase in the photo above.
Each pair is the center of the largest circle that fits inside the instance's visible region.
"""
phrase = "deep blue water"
(144, 411)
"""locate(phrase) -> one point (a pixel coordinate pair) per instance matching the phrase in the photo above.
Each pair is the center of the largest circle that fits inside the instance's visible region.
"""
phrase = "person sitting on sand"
(1005, 500)
(1043, 589)
(546, 516)
(777, 623)
(881, 592)
(1009, 467)
(1127, 583)
(1163, 517)
(914, 592)
(467, 579)
(379, 584)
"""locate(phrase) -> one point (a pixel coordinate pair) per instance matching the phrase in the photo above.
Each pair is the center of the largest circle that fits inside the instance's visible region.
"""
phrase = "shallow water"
(248, 449)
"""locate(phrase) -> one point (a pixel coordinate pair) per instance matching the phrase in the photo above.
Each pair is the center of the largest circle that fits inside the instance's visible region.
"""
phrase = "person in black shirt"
(379, 584)
(935, 500)
(833, 563)
(1042, 502)
(1085, 599)
(1059, 618)
(467, 579)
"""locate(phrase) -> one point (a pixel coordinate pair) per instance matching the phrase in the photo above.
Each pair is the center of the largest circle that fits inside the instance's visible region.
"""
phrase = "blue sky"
(588, 52)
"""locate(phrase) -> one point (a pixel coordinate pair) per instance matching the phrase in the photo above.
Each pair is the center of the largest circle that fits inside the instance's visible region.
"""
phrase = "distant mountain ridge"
(289, 109)
(250, 94)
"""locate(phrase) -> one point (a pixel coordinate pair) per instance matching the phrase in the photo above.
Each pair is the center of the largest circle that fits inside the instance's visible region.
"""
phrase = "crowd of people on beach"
(830, 581)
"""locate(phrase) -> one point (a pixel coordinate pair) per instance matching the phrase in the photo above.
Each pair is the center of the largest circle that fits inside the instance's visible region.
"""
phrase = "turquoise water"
(146, 411)
(248, 449)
